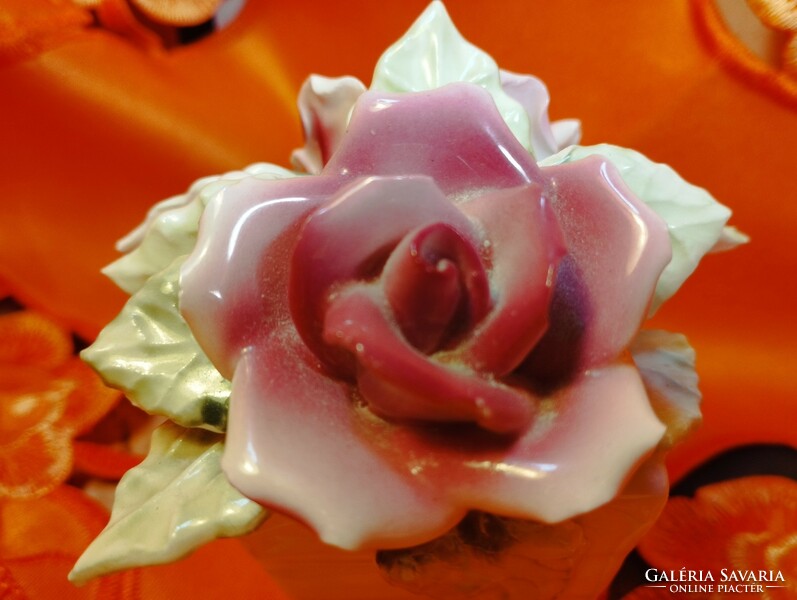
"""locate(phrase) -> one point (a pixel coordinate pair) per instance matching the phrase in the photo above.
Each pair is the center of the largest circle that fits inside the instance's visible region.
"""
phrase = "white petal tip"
(566, 132)
(729, 239)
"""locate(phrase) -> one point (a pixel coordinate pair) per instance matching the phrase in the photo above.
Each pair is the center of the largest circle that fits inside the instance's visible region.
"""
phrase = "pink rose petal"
(350, 236)
(453, 134)
(295, 443)
(324, 105)
(399, 382)
(574, 459)
(437, 287)
(307, 454)
(234, 286)
(533, 96)
(546, 138)
(617, 248)
(525, 247)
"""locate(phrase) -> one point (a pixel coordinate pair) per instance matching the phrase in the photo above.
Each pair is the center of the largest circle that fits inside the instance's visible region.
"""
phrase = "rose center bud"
(437, 287)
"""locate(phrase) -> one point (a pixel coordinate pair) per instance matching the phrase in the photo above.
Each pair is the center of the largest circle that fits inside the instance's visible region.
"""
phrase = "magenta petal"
(453, 134)
(350, 238)
(234, 285)
(295, 443)
(578, 453)
(617, 248)
(436, 285)
(399, 382)
(525, 247)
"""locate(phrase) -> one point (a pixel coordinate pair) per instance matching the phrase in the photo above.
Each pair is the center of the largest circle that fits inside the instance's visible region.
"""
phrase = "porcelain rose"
(438, 317)
(433, 324)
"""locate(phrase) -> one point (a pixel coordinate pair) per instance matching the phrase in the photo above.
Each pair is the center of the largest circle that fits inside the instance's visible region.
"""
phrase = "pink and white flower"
(433, 324)
(442, 317)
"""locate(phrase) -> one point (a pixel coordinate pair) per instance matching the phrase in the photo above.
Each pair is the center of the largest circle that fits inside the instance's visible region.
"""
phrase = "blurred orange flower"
(47, 398)
(747, 525)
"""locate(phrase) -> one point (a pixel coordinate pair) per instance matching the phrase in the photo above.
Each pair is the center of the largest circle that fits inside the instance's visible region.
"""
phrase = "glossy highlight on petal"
(227, 313)
(437, 134)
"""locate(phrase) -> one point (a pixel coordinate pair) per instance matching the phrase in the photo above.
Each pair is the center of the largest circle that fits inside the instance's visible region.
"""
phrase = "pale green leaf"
(695, 220)
(149, 353)
(175, 501)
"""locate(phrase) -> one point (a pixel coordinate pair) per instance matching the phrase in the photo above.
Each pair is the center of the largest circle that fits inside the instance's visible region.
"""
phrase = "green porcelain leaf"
(432, 54)
(149, 352)
(666, 362)
(696, 221)
(172, 503)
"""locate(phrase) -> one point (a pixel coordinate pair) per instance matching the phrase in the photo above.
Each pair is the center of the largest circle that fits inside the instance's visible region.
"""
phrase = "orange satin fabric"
(97, 128)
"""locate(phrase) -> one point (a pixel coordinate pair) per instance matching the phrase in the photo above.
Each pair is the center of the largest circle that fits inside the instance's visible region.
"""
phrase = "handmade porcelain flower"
(432, 339)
